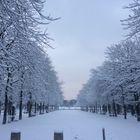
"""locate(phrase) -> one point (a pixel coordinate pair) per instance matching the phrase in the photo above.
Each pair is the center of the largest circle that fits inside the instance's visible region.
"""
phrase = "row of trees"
(26, 73)
(115, 85)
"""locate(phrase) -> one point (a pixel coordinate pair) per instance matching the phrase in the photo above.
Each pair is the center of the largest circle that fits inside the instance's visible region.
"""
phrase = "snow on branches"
(24, 65)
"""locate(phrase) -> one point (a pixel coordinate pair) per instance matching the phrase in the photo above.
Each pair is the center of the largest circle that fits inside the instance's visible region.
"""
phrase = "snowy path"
(76, 125)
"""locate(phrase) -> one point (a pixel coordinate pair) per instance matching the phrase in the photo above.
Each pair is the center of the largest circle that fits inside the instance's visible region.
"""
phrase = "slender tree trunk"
(125, 111)
(43, 107)
(109, 109)
(137, 106)
(138, 111)
(118, 108)
(96, 108)
(5, 109)
(114, 109)
(30, 109)
(40, 108)
(21, 95)
(48, 108)
(20, 106)
(9, 111)
(132, 110)
(35, 108)
(6, 98)
(0, 107)
(30, 104)
(100, 109)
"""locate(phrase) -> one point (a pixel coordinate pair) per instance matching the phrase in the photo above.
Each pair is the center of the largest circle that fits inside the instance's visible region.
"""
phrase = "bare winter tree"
(22, 56)
(132, 23)
(116, 82)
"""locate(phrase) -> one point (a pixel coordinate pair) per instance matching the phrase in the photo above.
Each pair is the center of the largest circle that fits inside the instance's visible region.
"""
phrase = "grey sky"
(81, 36)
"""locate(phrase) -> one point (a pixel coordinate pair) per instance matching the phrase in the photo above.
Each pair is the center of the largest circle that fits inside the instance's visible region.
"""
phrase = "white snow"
(76, 125)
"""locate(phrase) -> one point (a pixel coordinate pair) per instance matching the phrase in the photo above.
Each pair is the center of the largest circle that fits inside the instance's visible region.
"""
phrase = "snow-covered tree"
(117, 80)
(133, 21)
(23, 62)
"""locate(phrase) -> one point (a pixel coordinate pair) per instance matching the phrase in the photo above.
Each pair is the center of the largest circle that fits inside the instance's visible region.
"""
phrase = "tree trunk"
(30, 104)
(109, 109)
(21, 95)
(0, 107)
(138, 111)
(35, 107)
(20, 106)
(124, 108)
(43, 107)
(132, 110)
(6, 98)
(5, 109)
(100, 109)
(40, 108)
(114, 109)
(96, 108)
(137, 106)
(125, 111)
(30, 109)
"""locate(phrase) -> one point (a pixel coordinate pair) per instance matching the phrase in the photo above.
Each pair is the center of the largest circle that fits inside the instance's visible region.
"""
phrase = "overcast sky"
(81, 36)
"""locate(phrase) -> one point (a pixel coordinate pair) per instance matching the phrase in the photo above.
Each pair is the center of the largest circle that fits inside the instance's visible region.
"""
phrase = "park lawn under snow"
(76, 125)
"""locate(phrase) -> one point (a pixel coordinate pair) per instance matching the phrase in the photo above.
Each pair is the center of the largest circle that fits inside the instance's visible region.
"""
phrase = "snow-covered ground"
(76, 125)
